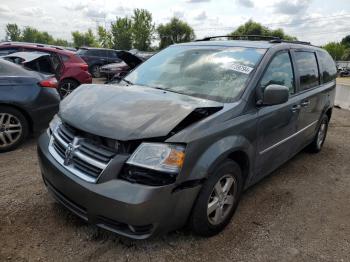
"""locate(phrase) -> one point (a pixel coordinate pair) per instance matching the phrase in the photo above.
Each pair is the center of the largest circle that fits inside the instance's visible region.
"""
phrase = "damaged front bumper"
(132, 210)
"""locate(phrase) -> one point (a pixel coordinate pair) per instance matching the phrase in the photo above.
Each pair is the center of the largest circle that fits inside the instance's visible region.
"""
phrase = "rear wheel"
(66, 87)
(320, 137)
(13, 128)
(95, 71)
(218, 200)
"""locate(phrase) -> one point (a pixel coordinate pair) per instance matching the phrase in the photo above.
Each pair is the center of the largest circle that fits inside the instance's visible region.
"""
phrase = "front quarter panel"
(211, 141)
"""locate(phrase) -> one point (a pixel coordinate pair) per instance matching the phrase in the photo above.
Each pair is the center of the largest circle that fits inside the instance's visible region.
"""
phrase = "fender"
(205, 164)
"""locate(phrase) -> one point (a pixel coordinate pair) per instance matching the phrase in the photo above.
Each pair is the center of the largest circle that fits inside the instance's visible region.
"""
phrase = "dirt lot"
(299, 213)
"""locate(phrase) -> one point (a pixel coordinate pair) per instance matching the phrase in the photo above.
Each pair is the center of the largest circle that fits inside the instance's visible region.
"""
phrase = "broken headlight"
(158, 156)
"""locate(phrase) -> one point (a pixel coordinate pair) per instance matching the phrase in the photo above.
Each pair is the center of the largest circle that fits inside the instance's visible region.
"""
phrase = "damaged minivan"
(179, 139)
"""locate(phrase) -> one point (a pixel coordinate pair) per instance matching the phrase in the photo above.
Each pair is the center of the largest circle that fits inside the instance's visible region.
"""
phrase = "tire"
(320, 137)
(95, 71)
(13, 128)
(205, 221)
(66, 87)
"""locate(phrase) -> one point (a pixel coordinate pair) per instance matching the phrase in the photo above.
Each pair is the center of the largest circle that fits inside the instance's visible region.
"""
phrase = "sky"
(317, 21)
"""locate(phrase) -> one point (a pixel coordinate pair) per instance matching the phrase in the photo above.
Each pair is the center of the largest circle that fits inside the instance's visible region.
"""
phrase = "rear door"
(311, 99)
(277, 124)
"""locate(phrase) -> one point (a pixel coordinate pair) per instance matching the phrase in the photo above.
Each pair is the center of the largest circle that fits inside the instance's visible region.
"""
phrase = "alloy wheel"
(221, 200)
(321, 134)
(66, 89)
(10, 129)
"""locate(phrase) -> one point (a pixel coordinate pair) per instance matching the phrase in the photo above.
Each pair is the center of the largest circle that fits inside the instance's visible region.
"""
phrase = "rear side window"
(279, 72)
(328, 69)
(308, 70)
(64, 58)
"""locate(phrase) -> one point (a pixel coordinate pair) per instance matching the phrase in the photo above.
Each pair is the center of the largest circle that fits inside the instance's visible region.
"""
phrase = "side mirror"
(275, 95)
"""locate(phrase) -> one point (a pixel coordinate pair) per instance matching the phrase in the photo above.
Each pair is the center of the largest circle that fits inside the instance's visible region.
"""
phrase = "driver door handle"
(305, 103)
(296, 108)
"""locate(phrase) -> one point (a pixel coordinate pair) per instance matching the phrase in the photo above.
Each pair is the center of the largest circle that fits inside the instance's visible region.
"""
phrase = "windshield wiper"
(126, 81)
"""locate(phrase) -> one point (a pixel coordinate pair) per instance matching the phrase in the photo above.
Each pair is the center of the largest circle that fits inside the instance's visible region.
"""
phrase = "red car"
(74, 70)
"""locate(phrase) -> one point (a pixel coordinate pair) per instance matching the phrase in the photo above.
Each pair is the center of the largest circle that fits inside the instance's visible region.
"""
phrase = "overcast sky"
(318, 21)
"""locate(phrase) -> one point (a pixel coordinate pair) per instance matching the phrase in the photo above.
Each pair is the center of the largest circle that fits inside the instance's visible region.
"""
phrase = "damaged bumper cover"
(132, 210)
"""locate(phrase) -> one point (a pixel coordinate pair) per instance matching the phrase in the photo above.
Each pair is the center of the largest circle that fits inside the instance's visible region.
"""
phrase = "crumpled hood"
(127, 112)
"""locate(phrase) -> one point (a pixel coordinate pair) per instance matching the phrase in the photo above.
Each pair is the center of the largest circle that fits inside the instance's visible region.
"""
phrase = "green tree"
(336, 50)
(84, 39)
(142, 29)
(61, 42)
(104, 37)
(176, 31)
(254, 28)
(122, 33)
(346, 55)
(346, 41)
(33, 35)
(13, 33)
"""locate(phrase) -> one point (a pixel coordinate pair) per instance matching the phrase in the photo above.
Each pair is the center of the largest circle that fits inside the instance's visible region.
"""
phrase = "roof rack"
(242, 37)
(271, 39)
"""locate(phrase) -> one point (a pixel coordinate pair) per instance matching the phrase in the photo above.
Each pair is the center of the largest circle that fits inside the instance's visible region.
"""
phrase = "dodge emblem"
(69, 153)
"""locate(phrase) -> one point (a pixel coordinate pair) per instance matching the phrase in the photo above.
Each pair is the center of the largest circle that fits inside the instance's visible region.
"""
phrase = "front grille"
(86, 158)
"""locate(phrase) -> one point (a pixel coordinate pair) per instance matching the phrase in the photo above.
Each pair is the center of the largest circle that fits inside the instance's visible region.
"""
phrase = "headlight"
(158, 156)
(54, 124)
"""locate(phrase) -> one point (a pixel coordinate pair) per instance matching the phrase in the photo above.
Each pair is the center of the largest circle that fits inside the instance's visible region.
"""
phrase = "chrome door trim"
(287, 138)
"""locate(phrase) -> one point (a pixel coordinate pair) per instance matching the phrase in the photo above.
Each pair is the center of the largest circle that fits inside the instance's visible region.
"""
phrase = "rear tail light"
(51, 83)
(84, 67)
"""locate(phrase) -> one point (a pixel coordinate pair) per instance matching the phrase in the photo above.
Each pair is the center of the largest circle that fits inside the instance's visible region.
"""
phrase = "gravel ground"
(298, 213)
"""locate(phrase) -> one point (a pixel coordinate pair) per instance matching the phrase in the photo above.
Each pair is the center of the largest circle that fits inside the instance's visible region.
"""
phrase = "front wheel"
(217, 200)
(320, 137)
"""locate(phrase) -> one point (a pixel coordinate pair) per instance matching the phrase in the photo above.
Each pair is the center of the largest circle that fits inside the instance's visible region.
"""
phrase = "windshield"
(214, 73)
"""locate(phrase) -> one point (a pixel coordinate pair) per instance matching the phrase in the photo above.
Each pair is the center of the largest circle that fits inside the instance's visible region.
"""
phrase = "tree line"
(339, 50)
(137, 31)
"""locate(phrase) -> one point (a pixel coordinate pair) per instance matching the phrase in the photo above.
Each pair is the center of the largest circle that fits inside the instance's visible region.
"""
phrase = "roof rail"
(290, 41)
(242, 37)
(271, 39)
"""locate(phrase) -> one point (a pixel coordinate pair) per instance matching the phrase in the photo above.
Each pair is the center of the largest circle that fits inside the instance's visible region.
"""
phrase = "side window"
(329, 71)
(279, 72)
(112, 54)
(307, 69)
(64, 58)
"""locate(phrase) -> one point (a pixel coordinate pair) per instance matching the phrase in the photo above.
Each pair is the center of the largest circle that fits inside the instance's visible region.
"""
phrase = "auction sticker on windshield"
(238, 68)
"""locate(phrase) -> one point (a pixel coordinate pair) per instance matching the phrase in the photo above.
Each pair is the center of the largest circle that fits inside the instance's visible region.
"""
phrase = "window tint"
(308, 70)
(279, 72)
(111, 53)
(329, 71)
(64, 58)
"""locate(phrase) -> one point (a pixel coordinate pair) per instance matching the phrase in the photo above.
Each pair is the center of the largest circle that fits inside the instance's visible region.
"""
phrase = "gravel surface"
(298, 213)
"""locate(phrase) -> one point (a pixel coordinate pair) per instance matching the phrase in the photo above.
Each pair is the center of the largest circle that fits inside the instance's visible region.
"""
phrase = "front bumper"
(132, 210)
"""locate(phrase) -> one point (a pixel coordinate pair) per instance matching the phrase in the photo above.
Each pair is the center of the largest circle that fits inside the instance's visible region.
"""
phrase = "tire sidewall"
(65, 81)
(199, 220)
(24, 123)
(325, 120)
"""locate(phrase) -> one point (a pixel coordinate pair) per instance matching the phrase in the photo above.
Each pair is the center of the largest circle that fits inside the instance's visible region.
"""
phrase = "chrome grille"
(86, 160)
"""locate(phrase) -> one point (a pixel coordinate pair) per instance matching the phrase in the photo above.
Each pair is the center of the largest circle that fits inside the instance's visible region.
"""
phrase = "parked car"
(97, 57)
(28, 101)
(74, 70)
(344, 72)
(186, 132)
(128, 62)
(37, 61)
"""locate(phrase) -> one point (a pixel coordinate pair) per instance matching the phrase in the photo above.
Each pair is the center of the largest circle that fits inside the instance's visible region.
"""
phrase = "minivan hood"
(128, 112)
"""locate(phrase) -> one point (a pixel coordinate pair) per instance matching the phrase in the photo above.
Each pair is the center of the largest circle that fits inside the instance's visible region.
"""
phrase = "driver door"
(277, 124)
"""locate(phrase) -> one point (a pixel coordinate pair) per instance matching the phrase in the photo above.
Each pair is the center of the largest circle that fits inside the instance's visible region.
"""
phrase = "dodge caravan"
(179, 139)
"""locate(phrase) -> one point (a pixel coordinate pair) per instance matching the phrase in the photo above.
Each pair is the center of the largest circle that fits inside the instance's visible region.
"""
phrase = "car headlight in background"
(158, 156)
(54, 124)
